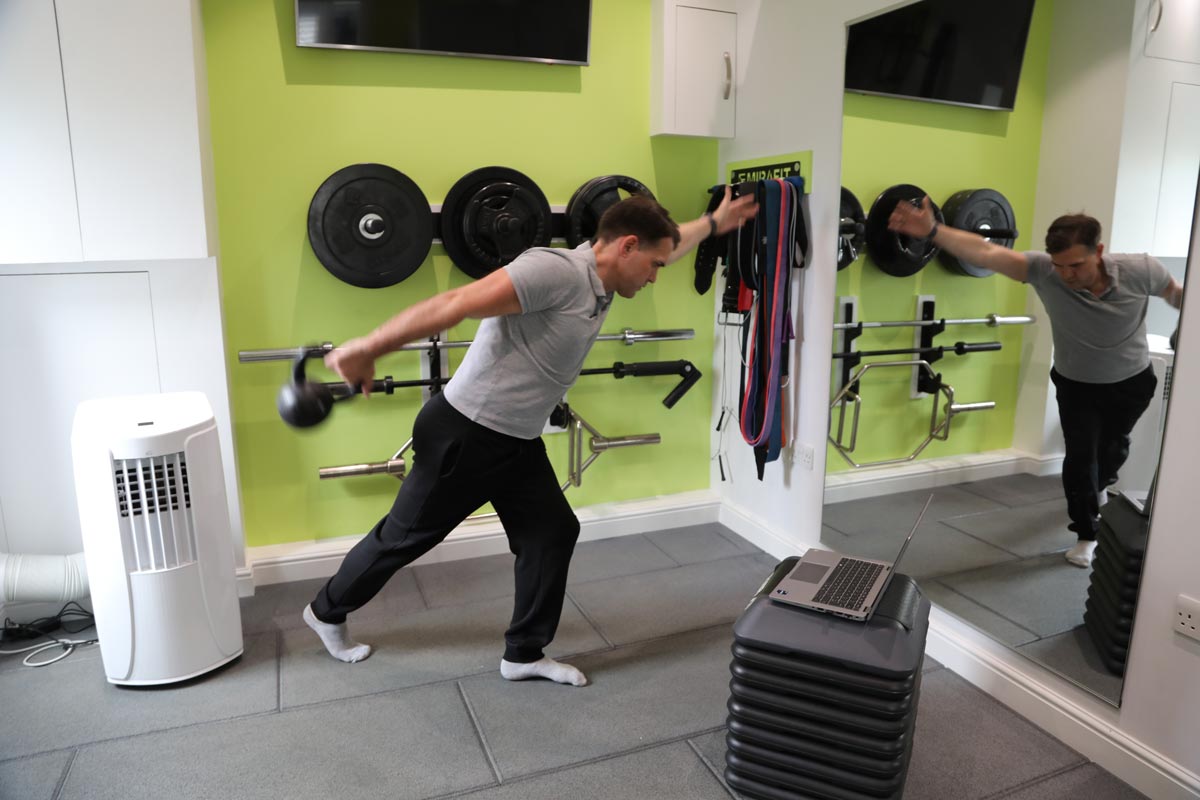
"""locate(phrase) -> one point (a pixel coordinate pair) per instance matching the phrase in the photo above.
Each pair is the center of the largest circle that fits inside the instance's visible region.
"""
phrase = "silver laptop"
(823, 580)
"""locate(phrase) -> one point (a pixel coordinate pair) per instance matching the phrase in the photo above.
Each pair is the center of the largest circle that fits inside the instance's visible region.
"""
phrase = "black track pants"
(458, 466)
(1096, 420)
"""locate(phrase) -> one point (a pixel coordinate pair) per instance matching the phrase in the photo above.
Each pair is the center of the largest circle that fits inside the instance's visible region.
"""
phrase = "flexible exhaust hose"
(42, 579)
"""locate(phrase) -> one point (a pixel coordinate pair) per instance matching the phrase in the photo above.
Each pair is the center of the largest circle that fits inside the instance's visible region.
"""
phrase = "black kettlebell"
(303, 403)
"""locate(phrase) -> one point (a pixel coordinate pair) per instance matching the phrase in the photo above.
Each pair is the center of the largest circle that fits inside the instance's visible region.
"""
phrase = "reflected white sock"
(336, 639)
(543, 668)
(1082, 553)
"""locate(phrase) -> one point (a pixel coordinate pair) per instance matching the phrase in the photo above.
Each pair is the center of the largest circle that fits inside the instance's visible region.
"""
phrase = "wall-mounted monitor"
(549, 31)
(962, 52)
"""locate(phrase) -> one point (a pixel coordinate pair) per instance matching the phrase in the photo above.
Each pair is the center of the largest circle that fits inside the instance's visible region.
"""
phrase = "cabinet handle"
(728, 74)
(1158, 18)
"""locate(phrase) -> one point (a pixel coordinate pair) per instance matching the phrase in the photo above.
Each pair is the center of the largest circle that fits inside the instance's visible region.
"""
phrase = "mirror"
(991, 548)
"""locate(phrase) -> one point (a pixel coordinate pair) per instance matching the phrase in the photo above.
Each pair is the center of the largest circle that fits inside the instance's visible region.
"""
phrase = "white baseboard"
(755, 531)
(296, 561)
(931, 473)
(1068, 713)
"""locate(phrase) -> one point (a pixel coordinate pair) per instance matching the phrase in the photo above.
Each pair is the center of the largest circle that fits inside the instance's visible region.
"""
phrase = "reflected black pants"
(1096, 420)
(458, 466)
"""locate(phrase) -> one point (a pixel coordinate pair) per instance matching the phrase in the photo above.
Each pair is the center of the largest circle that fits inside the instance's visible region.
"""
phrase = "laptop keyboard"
(848, 584)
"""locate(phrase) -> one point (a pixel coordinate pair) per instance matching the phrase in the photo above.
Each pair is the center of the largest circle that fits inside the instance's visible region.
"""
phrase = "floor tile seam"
(654, 544)
(1037, 636)
(278, 671)
(479, 734)
(171, 729)
(639, 642)
(593, 624)
(420, 590)
(967, 488)
(739, 542)
(666, 569)
(1010, 791)
(691, 743)
(603, 758)
(66, 773)
(1019, 556)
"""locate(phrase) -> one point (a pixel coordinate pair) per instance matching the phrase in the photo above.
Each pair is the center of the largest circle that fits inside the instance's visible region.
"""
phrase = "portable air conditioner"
(156, 536)
(1145, 439)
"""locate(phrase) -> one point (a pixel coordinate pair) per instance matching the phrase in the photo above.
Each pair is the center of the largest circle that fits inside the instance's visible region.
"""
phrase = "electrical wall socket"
(806, 456)
(1187, 616)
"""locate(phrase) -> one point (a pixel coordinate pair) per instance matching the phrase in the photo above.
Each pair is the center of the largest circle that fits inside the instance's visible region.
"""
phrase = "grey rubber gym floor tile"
(1074, 656)
(637, 607)
(53, 716)
(411, 744)
(929, 664)
(1086, 781)
(470, 580)
(424, 647)
(936, 549)
(981, 617)
(639, 695)
(1044, 594)
(278, 606)
(697, 543)
(711, 747)
(669, 772)
(1018, 490)
(896, 513)
(33, 778)
(958, 726)
(1031, 530)
(612, 558)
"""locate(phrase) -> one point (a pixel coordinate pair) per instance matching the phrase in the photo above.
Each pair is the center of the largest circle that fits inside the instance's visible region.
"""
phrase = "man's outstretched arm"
(965, 245)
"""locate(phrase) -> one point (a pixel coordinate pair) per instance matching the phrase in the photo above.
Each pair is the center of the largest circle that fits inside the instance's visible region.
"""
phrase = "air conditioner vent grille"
(154, 503)
(161, 487)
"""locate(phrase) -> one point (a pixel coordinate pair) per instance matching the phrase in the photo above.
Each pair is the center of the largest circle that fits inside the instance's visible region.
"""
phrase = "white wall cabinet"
(1181, 166)
(1173, 30)
(694, 68)
(39, 220)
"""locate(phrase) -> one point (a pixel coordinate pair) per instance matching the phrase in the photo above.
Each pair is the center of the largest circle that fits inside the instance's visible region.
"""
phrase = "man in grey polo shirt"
(1097, 308)
(479, 440)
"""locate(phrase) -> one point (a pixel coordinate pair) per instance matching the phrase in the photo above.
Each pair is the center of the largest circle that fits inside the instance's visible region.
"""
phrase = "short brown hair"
(1070, 230)
(640, 216)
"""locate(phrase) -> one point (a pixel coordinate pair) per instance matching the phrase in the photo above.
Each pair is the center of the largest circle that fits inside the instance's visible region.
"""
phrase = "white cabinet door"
(1181, 166)
(705, 63)
(68, 337)
(39, 219)
(1173, 31)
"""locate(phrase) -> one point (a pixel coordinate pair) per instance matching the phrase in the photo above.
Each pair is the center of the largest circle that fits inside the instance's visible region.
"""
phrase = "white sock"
(1082, 553)
(336, 639)
(543, 668)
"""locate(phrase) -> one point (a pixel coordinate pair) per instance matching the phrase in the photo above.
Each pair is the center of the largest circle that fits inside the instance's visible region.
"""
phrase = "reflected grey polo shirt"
(1100, 339)
(519, 366)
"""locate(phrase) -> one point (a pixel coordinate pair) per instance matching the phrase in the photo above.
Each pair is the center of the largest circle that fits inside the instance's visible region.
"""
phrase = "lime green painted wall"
(943, 149)
(285, 118)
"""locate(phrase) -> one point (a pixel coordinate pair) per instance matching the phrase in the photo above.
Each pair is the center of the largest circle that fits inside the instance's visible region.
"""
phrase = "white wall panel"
(39, 221)
(129, 67)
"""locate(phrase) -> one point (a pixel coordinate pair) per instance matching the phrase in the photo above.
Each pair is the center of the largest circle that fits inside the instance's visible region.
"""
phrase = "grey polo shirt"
(1100, 339)
(519, 366)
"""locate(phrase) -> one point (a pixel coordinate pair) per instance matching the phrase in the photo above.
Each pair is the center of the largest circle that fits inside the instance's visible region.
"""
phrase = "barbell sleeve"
(393, 466)
(963, 408)
(961, 348)
(602, 443)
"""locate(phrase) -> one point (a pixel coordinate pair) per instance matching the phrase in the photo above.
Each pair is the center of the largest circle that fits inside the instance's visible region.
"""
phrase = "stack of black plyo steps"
(821, 706)
(1116, 573)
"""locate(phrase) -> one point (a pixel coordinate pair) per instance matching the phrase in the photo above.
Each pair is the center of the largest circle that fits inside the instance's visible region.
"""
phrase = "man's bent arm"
(965, 245)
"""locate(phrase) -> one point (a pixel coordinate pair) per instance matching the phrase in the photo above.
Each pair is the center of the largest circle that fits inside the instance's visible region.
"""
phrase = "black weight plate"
(491, 215)
(894, 253)
(977, 210)
(370, 225)
(592, 199)
(850, 242)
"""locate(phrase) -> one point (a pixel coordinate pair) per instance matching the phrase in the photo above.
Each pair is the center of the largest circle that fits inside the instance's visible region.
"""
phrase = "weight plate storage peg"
(491, 216)
(852, 228)
(981, 211)
(592, 199)
(896, 254)
(370, 225)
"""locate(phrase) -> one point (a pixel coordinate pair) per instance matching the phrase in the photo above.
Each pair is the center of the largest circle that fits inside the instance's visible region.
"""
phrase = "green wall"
(943, 149)
(284, 118)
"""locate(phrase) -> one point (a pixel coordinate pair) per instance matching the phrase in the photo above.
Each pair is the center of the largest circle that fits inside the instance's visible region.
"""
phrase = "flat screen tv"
(550, 31)
(962, 52)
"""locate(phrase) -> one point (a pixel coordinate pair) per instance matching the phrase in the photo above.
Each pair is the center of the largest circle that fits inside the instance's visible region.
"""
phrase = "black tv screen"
(552, 31)
(963, 52)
